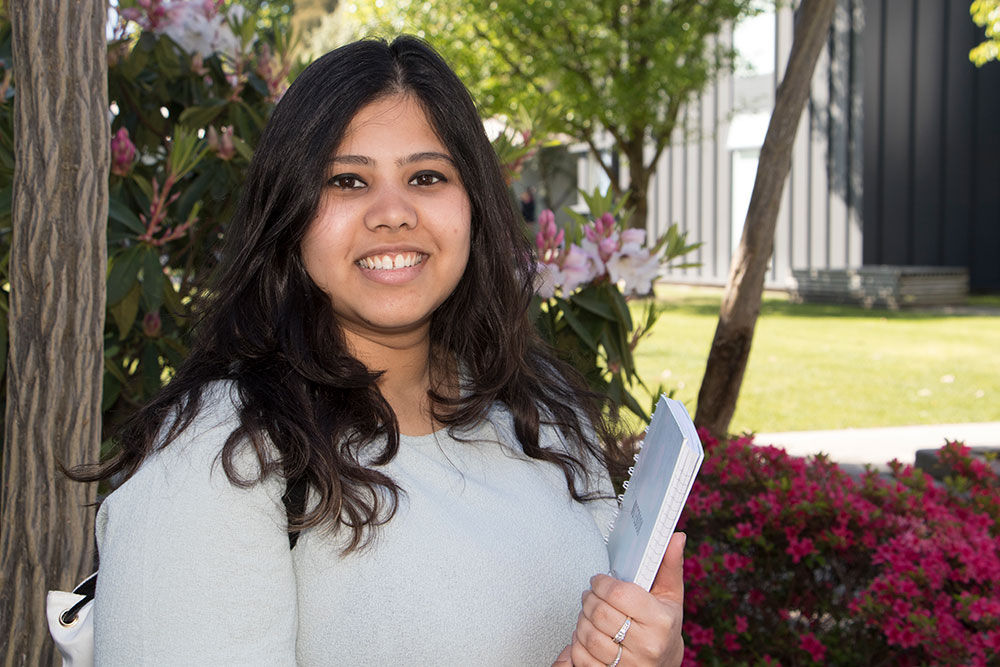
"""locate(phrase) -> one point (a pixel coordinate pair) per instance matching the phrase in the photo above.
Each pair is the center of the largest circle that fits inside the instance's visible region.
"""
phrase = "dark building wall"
(931, 174)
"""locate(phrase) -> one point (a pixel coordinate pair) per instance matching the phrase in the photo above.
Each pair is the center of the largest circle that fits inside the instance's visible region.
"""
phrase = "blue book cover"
(664, 472)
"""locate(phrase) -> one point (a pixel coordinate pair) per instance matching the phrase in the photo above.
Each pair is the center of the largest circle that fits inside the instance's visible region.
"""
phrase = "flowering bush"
(792, 561)
(587, 272)
(190, 86)
(198, 28)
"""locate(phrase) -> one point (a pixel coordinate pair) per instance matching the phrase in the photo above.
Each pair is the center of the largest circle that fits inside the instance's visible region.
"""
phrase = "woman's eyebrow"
(364, 160)
(351, 159)
(425, 155)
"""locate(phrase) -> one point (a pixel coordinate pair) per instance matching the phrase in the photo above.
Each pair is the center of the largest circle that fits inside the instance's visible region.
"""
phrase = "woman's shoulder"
(185, 552)
(187, 475)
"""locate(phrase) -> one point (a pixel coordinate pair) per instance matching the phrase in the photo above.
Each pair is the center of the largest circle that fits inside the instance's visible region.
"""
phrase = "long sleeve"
(195, 570)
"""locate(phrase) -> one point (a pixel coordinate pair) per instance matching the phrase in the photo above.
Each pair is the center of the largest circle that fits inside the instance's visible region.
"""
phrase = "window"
(754, 41)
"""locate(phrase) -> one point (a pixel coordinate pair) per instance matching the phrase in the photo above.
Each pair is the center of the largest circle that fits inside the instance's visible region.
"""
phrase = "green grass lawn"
(829, 367)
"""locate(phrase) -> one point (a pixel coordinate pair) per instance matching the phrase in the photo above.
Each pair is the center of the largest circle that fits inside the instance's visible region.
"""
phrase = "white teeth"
(398, 261)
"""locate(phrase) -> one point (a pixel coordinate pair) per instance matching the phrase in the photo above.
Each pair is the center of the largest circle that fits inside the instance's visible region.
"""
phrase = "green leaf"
(6, 195)
(122, 214)
(151, 370)
(589, 299)
(622, 312)
(194, 192)
(174, 303)
(4, 337)
(172, 350)
(243, 148)
(124, 273)
(125, 311)
(577, 325)
(152, 280)
(129, 67)
(111, 388)
(203, 116)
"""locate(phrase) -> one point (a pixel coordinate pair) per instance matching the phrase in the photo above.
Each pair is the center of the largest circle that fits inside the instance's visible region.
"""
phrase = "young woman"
(367, 342)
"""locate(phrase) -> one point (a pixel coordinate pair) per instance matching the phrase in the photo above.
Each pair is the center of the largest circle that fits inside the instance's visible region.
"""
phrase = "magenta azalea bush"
(794, 562)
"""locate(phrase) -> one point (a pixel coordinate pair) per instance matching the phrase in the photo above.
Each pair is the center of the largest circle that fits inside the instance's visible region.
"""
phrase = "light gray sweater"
(484, 562)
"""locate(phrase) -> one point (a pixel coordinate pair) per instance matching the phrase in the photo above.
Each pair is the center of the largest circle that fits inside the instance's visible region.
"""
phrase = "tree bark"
(730, 350)
(638, 177)
(57, 266)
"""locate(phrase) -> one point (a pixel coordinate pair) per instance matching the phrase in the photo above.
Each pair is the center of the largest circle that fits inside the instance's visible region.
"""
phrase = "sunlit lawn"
(826, 367)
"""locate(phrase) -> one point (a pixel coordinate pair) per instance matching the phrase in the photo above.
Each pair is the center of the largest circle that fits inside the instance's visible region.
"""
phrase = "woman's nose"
(391, 209)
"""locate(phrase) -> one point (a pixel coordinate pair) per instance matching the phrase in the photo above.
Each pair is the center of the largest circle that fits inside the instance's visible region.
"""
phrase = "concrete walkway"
(878, 446)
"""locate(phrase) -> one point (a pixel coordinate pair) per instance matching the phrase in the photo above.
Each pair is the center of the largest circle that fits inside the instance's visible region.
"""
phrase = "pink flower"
(729, 642)
(577, 268)
(636, 272)
(151, 14)
(547, 280)
(741, 624)
(222, 143)
(600, 228)
(734, 562)
(812, 646)
(122, 153)
(699, 636)
(549, 239)
(606, 247)
(151, 325)
(799, 549)
(693, 570)
(632, 240)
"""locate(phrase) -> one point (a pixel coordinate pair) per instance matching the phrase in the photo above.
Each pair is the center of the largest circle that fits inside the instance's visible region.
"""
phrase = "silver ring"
(618, 658)
(620, 637)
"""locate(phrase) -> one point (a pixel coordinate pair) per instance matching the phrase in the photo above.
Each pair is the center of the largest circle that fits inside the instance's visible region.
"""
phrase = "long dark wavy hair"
(305, 404)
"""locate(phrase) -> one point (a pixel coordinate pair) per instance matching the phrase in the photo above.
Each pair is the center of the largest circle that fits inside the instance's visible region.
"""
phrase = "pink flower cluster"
(606, 252)
(199, 27)
(122, 153)
(792, 561)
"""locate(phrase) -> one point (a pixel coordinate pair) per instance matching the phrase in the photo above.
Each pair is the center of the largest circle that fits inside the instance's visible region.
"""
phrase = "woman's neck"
(406, 378)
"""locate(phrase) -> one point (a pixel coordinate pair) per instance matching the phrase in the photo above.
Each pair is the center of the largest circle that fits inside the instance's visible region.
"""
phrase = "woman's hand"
(653, 636)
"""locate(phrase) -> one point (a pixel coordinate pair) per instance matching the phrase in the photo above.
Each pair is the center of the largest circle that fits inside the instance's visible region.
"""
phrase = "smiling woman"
(391, 236)
(367, 350)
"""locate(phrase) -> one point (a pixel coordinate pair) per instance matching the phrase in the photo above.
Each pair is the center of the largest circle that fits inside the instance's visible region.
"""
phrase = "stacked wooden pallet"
(883, 286)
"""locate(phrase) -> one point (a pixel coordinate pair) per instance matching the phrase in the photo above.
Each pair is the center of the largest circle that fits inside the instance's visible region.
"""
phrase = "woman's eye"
(346, 182)
(428, 178)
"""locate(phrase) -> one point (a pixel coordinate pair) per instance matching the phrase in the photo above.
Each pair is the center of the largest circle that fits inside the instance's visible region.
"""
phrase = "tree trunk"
(730, 350)
(638, 177)
(58, 262)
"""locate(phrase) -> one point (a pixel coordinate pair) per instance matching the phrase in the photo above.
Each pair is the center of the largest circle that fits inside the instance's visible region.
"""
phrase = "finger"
(627, 598)
(564, 659)
(669, 581)
(581, 658)
(597, 643)
(603, 616)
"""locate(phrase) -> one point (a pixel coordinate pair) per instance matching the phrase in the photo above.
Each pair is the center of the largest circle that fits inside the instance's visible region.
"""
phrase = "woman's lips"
(391, 261)
(392, 268)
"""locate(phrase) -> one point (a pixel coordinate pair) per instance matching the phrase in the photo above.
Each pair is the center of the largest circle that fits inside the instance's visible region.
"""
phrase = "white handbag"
(71, 622)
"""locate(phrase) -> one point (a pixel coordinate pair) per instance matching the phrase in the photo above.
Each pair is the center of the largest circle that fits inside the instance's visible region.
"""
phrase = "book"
(665, 469)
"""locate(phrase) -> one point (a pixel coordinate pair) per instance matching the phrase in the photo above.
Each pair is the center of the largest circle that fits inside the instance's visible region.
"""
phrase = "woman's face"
(391, 237)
